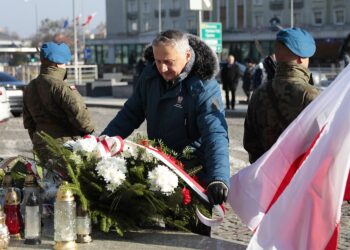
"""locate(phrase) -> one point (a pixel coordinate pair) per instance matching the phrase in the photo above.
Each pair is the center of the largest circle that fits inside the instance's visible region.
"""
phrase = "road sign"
(206, 5)
(88, 53)
(211, 33)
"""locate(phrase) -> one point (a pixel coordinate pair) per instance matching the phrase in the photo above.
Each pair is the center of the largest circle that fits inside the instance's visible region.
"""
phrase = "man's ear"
(300, 60)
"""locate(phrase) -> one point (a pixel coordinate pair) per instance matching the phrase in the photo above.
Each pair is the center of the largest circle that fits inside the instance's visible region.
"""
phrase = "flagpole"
(75, 46)
(160, 15)
(291, 14)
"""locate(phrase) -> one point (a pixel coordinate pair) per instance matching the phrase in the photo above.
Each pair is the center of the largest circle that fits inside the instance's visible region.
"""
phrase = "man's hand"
(217, 192)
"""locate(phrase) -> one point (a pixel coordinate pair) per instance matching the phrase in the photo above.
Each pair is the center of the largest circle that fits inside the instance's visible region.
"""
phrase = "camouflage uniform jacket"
(293, 92)
(50, 105)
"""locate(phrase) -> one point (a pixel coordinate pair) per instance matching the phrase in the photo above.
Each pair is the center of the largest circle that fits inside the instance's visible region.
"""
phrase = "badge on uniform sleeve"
(72, 87)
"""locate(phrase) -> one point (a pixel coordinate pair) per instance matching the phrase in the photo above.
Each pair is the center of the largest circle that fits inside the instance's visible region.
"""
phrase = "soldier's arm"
(73, 105)
(309, 95)
(28, 121)
(251, 141)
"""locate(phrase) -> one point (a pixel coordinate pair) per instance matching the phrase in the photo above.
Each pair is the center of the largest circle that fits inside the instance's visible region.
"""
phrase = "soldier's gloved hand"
(217, 192)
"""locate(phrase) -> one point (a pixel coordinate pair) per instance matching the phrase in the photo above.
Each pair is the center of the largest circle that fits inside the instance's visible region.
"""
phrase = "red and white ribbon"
(195, 186)
(92, 136)
(31, 167)
(110, 146)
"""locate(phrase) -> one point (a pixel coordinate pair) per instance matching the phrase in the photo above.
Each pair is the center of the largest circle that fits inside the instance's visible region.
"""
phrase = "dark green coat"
(262, 126)
(50, 105)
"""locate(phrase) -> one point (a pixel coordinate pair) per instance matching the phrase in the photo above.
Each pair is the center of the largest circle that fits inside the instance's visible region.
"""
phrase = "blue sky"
(20, 16)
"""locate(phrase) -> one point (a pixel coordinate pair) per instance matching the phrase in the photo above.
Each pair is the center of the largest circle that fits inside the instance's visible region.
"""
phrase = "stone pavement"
(146, 239)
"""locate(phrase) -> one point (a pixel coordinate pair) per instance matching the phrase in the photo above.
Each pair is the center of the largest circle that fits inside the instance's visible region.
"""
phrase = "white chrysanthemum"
(162, 179)
(69, 144)
(87, 145)
(145, 157)
(129, 152)
(112, 170)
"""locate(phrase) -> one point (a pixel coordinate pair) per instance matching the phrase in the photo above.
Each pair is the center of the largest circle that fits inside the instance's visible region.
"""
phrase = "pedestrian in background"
(50, 105)
(258, 76)
(230, 74)
(181, 101)
(247, 79)
(277, 103)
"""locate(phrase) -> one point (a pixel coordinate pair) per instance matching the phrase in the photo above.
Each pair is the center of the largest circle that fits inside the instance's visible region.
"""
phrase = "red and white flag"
(89, 19)
(291, 196)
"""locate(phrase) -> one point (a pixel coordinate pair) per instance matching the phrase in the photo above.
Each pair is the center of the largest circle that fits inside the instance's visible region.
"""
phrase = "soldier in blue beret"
(279, 101)
(52, 106)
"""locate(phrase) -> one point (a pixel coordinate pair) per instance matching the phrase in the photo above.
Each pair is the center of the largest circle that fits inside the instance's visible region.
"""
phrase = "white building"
(247, 25)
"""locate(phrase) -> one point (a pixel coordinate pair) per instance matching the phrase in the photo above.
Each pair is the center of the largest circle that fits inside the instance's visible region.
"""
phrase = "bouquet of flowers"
(123, 187)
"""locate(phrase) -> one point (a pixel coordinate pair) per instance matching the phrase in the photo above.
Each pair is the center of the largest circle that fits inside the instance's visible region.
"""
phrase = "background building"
(249, 27)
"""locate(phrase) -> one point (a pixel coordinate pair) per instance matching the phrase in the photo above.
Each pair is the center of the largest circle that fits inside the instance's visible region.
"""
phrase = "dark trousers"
(233, 98)
(247, 93)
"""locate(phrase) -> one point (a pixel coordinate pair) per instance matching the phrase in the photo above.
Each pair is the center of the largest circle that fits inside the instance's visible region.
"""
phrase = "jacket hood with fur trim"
(206, 65)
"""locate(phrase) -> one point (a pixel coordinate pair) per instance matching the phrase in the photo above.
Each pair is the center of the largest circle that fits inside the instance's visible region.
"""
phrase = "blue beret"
(56, 52)
(299, 41)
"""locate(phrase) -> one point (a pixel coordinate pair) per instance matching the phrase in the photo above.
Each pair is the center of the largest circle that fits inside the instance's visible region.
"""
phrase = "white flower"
(87, 145)
(146, 157)
(162, 179)
(113, 171)
(129, 152)
(69, 144)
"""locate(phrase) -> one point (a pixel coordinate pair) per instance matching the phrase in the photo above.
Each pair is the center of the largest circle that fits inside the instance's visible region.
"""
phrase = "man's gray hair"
(174, 38)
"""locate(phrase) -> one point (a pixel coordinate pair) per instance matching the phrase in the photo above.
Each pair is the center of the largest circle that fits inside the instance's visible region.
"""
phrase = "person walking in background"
(141, 64)
(50, 105)
(258, 76)
(230, 74)
(278, 102)
(248, 78)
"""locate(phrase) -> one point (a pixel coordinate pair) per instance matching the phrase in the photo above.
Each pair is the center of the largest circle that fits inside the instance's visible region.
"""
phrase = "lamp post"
(75, 46)
(160, 15)
(35, 14)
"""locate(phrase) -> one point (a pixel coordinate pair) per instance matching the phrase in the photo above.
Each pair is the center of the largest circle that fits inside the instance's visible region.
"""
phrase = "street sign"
(211, 33)
(88, 53)
(206, 5)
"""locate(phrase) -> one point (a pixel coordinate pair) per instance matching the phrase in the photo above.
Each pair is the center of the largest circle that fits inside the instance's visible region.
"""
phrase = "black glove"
(217, 192)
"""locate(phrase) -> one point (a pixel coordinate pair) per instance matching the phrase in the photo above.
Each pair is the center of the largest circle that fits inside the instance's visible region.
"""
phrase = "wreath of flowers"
(130, 190)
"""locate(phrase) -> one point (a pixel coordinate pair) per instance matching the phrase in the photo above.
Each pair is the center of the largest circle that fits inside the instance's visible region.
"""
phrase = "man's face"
(169, 61)
(230, 60)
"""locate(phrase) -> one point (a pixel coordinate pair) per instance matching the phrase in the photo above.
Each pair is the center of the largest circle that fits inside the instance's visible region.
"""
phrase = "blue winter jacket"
(190, 113)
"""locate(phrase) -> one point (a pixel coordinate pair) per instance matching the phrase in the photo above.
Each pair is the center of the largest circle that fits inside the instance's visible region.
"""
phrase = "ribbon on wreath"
(111, 146)
(194, 185)
(108, 146)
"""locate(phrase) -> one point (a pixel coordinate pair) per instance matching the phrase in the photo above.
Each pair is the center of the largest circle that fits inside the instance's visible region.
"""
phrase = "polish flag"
(89, 19)
(77, 19)
(291, 196)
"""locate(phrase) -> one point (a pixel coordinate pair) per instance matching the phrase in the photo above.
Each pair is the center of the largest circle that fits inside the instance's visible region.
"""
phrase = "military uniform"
(50, 105)
(262, 125)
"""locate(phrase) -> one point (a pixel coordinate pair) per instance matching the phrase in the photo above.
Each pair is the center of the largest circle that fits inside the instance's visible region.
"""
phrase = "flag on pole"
(291, 196)
(77, 19)
(65, 24)
(89, 19)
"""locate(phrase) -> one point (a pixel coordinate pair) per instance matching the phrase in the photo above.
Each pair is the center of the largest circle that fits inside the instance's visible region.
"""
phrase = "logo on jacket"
(179, 102)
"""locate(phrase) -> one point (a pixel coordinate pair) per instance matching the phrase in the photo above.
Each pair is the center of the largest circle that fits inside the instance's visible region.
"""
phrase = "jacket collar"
(55, 72)
(292, 70)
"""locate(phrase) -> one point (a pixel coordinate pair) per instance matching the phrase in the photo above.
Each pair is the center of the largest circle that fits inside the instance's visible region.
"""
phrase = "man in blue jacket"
(181, 101)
